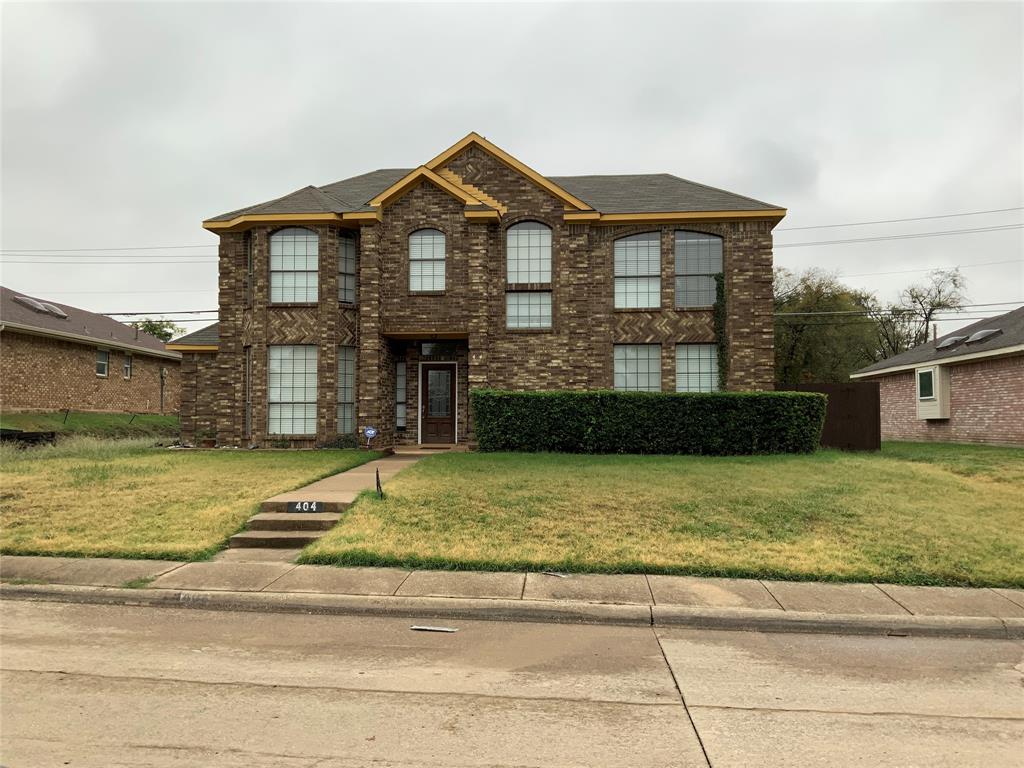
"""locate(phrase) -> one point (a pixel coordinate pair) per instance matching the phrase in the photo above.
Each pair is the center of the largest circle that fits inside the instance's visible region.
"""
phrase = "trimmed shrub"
(606, 421)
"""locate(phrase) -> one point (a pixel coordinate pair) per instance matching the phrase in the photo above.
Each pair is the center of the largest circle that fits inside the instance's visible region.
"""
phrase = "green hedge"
(605, 421)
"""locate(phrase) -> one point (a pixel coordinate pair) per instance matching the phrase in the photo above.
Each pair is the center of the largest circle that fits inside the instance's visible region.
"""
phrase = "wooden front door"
(437, 404)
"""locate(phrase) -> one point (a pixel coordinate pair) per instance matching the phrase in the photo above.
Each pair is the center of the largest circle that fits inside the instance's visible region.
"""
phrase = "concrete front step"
(274, 539)
(330, 507)
(293, 521)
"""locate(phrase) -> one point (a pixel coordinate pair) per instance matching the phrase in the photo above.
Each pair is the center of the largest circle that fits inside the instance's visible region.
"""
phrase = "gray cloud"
(126, 124)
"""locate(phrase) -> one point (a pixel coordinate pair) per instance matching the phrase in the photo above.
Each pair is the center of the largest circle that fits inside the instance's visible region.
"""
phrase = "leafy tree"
(165, 330)
(905, 324)
(820, 347)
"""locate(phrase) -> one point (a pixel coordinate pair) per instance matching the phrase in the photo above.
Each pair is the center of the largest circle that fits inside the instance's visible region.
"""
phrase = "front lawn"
(88, 497)
(915, 514)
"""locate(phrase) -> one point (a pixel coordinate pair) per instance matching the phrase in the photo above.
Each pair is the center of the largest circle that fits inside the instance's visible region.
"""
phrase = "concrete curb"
(565, 612)
(761, 620)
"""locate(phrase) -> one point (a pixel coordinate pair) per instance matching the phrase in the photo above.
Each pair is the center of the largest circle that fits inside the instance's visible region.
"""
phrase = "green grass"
(912, 514)
(104, 498)
(93, 424)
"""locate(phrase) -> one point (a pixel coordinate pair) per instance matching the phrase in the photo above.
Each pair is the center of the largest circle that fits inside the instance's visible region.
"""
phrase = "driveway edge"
(565, 612)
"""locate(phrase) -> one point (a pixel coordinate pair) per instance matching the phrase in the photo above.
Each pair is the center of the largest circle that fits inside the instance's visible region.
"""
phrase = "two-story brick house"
(382, 299)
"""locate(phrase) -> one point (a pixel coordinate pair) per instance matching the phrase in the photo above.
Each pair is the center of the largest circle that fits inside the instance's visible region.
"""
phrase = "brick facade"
(199, 376)
(40, 373)
(388, 321)
(985, 405)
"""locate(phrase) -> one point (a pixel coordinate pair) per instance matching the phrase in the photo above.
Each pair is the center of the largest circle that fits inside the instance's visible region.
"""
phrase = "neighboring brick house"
(56, 357)
(341, 304)
(966, 386)
(198, 378)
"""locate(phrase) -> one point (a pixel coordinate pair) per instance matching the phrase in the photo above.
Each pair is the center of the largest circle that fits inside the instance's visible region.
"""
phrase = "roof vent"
(54, 310)
(952, 341)
(31, 304)
(984, 335)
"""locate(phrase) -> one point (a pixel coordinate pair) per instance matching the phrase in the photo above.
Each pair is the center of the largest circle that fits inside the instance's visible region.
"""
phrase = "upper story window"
(638, 271)
(250, 261)
(294, 264)
(528, 253)
(346, 268)
(426, 260)
(698, 260)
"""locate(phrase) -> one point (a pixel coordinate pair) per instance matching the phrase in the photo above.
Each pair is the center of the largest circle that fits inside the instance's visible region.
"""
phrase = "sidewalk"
(747, 604)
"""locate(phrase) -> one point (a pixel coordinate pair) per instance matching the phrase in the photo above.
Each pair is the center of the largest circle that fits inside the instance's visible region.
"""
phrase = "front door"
(437, 405)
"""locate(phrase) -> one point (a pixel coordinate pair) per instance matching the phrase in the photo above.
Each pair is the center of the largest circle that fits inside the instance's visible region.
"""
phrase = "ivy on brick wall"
(607, 421)
(720, 333)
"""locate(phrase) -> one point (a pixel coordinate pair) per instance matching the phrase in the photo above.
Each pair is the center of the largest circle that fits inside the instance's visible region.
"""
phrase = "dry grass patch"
(922, 514)
(88, 497)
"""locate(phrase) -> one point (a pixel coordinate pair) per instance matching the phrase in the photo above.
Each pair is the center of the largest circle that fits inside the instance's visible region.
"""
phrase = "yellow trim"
(192, 347)
(420, 174)
(363, 216)
(252, 219)
(479, 194)
(475, 138)
(492, 215)
(670, 216)
(271, 218)
(582, 215)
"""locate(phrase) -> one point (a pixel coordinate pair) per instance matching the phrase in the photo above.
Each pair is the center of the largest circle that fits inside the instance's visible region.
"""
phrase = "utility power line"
(899, 221)
(932, 269)
(906, 236)
(125, 248)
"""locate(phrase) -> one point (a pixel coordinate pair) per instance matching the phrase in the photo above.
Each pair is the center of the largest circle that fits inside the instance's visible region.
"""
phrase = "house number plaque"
(305, 506)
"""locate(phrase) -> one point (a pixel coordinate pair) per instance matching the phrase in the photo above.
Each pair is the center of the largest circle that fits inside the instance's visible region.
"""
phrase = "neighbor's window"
(926, 384)
(294, 261)
(346, 269)
(696, 367)
(400, 389)
(698, 260)
(426, 260)
(638, 367)
(247, 385)
(638, 271)
(528, 253)
(127, 368)
(102, 362)
(528, 309)
(346, 390)
(291, 390)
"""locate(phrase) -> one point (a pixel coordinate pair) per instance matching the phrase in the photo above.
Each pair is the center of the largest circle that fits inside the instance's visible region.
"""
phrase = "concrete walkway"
(340, 490)
(588, 597)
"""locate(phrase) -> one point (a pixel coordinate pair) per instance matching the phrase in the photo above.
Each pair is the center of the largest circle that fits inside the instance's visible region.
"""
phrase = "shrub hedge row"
(605, 421)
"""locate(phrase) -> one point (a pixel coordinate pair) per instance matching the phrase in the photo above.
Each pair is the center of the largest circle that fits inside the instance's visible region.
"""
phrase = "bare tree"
(905, 324)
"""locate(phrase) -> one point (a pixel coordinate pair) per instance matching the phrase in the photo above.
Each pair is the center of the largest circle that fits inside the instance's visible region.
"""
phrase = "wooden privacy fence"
(853, 417)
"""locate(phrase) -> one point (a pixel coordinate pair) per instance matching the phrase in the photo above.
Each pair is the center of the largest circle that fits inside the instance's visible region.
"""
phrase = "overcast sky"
(124, 125)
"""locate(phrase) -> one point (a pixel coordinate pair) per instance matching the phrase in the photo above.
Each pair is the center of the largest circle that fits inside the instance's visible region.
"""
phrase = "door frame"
(419, 397)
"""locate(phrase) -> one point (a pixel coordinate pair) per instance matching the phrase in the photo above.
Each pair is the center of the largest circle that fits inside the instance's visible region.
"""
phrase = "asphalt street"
(87, 685)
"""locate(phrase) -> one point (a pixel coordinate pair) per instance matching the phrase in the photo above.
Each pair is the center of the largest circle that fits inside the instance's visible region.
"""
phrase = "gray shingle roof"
(79, 322)
(1011, 324)
(654, 193)
(208, 336)
(637, 193)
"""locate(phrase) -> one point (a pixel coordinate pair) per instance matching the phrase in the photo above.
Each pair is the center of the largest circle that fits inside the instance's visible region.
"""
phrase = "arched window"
(698, 260)
(294, 264)
(638, 271)
(528, 252)
(426, 260)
